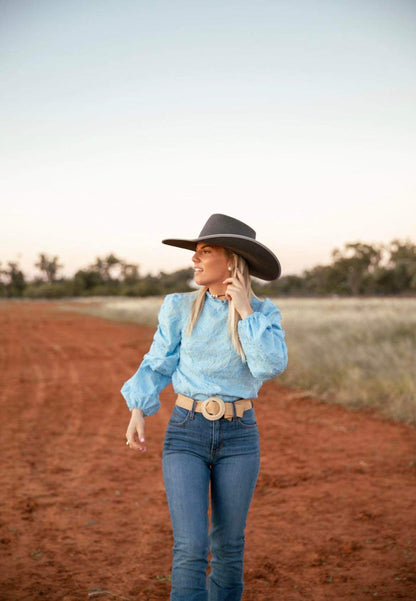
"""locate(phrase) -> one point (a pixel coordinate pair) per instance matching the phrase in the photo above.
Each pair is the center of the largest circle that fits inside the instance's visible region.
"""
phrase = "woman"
(216, 346)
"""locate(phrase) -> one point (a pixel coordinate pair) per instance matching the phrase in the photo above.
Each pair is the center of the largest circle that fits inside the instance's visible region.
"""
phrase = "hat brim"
(261, 261)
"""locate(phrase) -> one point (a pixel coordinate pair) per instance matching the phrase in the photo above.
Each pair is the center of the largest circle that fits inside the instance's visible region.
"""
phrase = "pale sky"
(124, 122)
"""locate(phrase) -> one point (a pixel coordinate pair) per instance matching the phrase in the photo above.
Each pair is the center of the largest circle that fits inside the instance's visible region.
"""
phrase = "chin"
(199, 281)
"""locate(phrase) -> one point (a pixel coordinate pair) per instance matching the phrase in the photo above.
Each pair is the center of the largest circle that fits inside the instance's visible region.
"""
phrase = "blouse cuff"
(149, 405)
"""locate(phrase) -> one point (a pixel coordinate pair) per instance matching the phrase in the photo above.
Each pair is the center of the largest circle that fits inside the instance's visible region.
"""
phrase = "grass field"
(354, 352)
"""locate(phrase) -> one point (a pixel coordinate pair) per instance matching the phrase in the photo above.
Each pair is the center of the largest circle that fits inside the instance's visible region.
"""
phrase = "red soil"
(84, 517)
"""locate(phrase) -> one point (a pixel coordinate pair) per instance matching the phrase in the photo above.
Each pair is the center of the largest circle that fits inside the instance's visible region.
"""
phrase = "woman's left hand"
(237, 292)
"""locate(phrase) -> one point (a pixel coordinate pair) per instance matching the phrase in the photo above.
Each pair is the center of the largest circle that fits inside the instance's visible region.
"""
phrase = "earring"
(229, 268)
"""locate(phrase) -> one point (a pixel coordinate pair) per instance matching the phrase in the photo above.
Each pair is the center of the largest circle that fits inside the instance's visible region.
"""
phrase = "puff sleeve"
(155, 371)
(263, 341)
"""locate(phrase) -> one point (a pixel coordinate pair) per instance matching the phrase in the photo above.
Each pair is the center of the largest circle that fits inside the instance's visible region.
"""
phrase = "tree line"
(357, 269)
(107, 276)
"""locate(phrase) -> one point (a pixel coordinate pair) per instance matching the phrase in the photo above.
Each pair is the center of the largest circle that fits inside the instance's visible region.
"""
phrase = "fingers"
(235, 284)
(140, 430)
(238, 293)
(135, 434)
(132, 444)
(239, 275)
(232, 290)
(135, 446)
(237, 278)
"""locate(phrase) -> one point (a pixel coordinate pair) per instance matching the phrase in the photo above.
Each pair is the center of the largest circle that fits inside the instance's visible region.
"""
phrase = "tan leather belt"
(215, 408)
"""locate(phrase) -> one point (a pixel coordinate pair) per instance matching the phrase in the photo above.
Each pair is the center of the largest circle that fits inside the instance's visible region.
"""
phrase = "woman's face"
(210, 265)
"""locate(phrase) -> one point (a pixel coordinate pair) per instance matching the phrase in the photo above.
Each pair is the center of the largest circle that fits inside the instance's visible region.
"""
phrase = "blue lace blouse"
(205, 363)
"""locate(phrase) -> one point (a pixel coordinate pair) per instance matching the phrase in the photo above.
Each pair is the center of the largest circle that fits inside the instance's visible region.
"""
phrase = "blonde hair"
(233, 315)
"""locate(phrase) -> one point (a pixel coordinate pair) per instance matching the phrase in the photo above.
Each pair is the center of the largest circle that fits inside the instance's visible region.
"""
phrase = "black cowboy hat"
(221, 230)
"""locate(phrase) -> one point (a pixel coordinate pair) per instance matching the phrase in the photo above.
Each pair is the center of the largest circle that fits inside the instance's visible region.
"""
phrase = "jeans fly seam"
(216, 446)
(212, 439)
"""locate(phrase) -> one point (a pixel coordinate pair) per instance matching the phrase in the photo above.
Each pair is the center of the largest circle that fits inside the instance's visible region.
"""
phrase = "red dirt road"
(83, 517)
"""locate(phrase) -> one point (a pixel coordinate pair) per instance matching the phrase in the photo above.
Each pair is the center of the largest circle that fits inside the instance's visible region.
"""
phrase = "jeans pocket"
(248, 420)
(179, 416)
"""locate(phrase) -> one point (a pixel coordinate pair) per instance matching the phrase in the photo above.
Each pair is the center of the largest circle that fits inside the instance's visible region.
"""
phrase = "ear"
(232, 264)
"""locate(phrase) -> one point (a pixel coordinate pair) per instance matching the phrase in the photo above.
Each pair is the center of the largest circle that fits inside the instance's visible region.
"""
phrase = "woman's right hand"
(135, 431)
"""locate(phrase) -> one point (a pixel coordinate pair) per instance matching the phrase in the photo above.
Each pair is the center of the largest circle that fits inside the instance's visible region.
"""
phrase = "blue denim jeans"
(209, 459)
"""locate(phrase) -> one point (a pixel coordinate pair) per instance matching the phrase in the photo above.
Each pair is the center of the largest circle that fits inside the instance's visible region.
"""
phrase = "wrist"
(246, 312)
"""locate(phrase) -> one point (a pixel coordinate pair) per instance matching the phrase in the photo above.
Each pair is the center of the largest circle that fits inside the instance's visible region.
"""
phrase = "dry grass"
(136, 310)
(355, 352)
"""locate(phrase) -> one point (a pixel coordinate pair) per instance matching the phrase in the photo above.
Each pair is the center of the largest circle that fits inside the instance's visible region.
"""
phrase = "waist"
(214, 407)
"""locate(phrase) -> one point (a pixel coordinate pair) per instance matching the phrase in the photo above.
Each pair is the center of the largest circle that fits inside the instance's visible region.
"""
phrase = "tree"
(129, 273)
(402, 266)
(85, 280)
(355, 263)
(49, 266)
(402, 251)
(105, 267)
(16, 283)
(178, 281)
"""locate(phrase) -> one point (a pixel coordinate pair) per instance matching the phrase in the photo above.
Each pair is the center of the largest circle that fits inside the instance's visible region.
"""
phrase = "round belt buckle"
(219, 409)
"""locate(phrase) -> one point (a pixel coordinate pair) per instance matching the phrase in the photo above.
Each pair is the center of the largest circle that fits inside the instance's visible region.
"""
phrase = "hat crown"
(225, 225)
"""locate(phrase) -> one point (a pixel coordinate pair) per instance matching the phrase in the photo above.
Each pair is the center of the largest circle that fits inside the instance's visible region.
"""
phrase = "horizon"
(29, 270)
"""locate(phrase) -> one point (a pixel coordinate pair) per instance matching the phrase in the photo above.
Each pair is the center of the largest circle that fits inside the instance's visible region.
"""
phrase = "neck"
(217, 291)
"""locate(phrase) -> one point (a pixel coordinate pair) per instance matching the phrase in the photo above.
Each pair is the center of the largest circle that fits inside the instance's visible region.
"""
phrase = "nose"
(195, 258)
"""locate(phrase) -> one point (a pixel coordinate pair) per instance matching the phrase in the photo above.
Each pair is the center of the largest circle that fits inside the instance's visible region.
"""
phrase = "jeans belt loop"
(193, 409)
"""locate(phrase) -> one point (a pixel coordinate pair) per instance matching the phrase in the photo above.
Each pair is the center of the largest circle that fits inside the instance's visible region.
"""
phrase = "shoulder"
(265, 306)
(176, 305)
